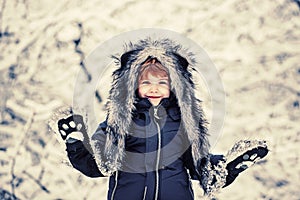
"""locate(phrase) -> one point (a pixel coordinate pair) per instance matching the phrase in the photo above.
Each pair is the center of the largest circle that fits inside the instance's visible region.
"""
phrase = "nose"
(154, 88)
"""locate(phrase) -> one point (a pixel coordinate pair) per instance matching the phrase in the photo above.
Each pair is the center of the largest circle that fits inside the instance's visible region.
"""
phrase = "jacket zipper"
(115, 186)
(158, 153)
(145, 192)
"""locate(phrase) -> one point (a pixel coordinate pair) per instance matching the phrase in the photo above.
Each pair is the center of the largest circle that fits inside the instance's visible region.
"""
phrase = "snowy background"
(254, 44)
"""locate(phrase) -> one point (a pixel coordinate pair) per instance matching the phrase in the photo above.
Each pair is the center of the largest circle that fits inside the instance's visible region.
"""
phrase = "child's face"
(155, 87)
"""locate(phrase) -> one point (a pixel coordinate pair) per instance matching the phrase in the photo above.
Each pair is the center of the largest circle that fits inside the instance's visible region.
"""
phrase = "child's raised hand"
(73, 127)
(243, 155)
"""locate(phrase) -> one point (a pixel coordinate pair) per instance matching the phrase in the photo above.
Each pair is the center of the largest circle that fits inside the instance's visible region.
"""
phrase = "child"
(154, 139)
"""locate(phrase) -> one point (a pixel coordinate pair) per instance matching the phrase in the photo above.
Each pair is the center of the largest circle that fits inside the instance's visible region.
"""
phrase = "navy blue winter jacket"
(158, 162)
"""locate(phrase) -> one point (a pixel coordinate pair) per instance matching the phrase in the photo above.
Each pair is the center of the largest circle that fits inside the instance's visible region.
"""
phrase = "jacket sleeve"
(82, 156)
(82, 159)
(188, 162)
(213, 173)
(210, 172)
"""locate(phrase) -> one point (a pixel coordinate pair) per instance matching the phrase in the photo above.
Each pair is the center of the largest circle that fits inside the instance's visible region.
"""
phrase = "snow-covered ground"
(253, 44)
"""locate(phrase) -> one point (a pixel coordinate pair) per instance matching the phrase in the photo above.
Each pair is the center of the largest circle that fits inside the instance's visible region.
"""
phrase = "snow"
(253, 44)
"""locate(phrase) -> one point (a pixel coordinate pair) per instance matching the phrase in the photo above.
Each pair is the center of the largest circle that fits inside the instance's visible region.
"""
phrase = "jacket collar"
(168, 105)
(143, 104)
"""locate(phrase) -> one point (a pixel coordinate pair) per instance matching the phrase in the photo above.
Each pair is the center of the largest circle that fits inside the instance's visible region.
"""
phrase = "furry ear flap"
(181, 61)
(126, 57)
(182, 65)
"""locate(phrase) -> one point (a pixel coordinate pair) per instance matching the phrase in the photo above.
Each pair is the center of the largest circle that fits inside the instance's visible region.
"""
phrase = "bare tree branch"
(18, 147)
(38, 182)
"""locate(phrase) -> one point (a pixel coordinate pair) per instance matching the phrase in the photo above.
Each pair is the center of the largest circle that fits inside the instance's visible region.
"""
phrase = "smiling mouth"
(154, 97)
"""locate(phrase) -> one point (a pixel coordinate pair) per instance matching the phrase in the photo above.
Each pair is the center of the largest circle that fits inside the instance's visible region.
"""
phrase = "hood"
(121, 105)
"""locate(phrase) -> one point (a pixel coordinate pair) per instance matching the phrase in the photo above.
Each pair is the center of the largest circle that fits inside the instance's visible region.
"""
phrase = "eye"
(163, 82)
(145, 82)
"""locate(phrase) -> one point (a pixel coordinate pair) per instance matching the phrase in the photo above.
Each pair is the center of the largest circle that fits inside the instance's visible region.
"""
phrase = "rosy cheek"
(141, 93)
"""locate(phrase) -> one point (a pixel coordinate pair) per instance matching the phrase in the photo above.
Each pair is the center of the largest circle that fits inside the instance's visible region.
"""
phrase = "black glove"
(73, 123)
(244, 161)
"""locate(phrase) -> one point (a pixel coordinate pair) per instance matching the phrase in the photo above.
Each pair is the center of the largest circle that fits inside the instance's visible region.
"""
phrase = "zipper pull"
(155, 113)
